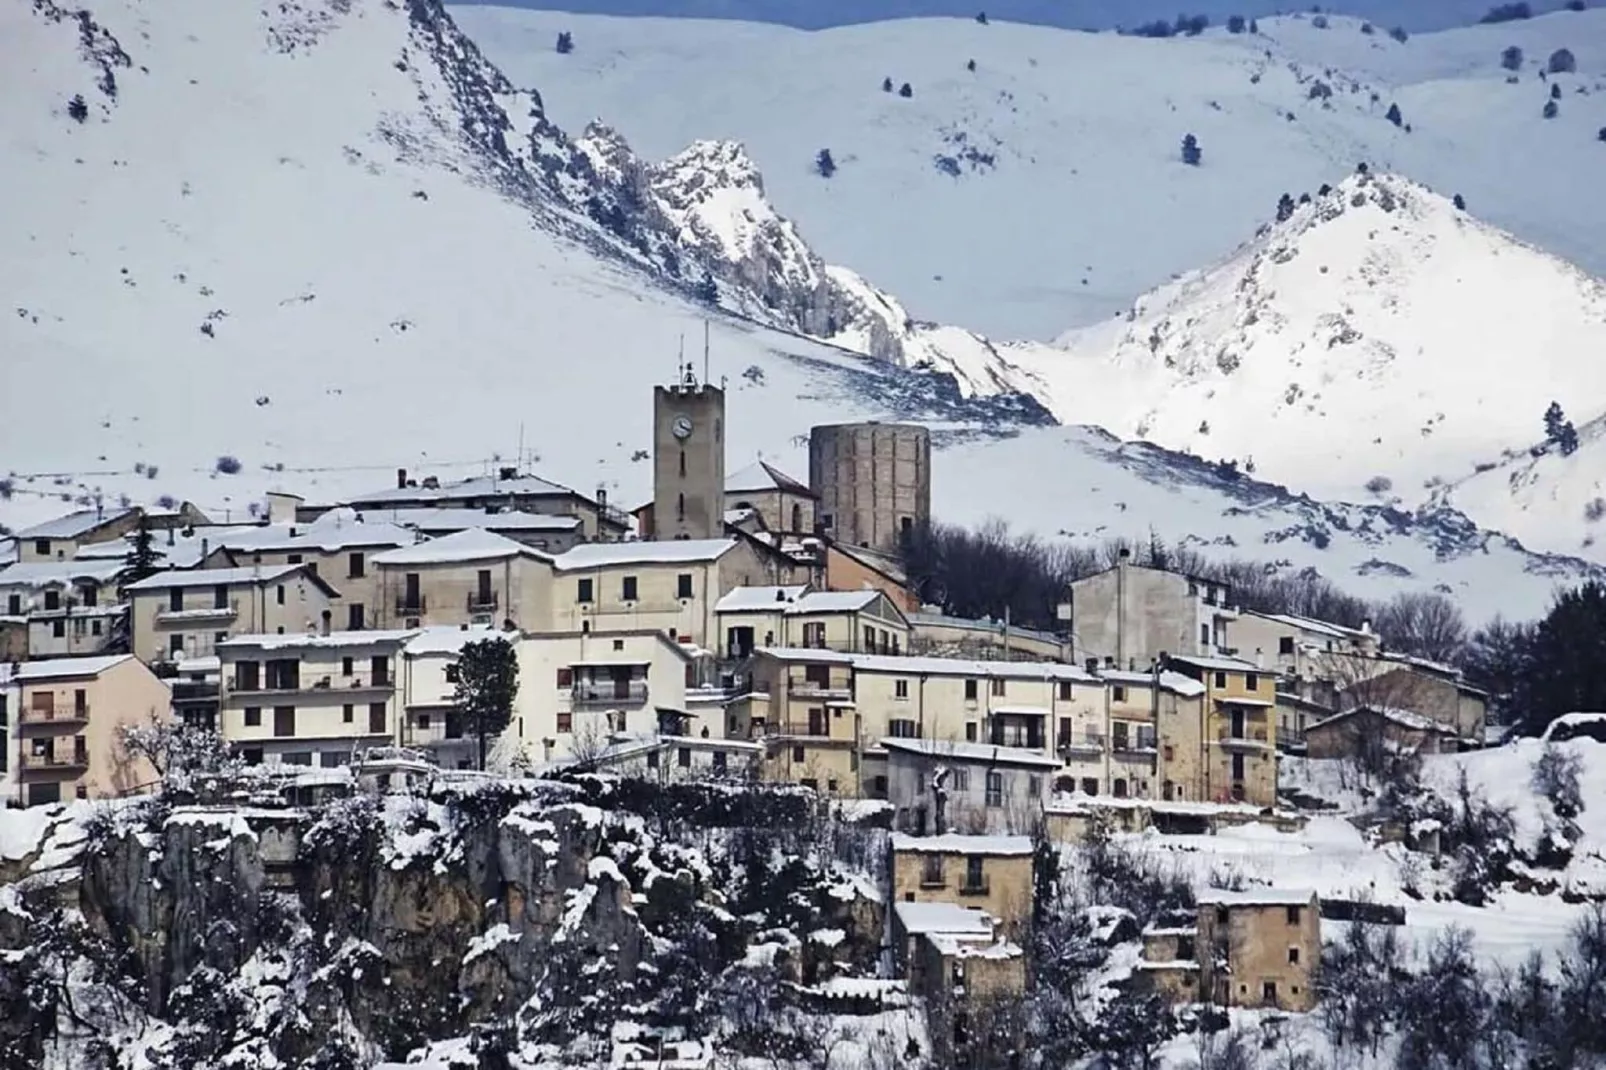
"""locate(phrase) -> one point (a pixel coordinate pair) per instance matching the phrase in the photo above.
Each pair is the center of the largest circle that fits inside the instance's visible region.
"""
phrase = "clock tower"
(688, 495)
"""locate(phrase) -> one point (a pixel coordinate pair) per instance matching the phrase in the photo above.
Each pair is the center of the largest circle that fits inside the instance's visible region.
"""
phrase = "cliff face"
(559, 916)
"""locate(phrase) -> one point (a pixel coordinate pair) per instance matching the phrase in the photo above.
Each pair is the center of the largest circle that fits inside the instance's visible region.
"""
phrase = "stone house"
(782, 504)
(474, 577)
(1255, 949)
(428, 680)
(1128, 616)
(1297, 646)
(961, 967)
(853, 568)
(1364, 733)
(936, 634)
(937, 785)
(63, 608)
(507, 490)
(861, 622)
(800, 705)
(60, 723)
(299, 699)
(1239, 740)
(1152, 744)
(1431, 690)
(185, 614)
(987, 873)
(61, 538)
(539, 531)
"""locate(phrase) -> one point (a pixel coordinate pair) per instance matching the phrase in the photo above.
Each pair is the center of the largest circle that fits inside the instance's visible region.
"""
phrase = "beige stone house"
(782, 504)
(940, 786)
(1256, 949)
(64, 608)
(853, 568)
(938, 635)
(60, 539)
(1239, 744)
(860, 622)
(429, 719)
(64, 716)
(337, 547)
(1426, 688)
(539, 531)
(1297, 646)
(1129, 615)
(1152, 744)
(1368, 734)
(507, 490)
(988, 873)
(472, 577)
(185, 614)
(671, 586)
(299, 699)
(962, 968)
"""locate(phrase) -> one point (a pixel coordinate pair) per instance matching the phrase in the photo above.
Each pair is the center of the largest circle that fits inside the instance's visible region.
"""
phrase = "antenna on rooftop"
(705, 351)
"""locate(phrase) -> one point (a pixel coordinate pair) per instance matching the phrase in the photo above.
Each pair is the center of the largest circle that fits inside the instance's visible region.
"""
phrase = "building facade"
(992, 874)
(186, 614)
(861, 622)
(688, 490)
(474, 577)
(874, 482)
(781, 503)
(936, 786)
(60, 539)
(1239, 746)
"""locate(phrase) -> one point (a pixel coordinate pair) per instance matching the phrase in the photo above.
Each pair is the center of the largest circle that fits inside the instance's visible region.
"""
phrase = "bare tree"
(1425, 625)
(185, 757)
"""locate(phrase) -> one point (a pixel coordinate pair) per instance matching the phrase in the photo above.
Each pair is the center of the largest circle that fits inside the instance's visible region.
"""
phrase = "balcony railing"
(78, 759)
(356, 682)
(969, 887)
(168, 614)
(195, 691)
(63, 715)
(1086, 743)
(483, 601)
(606, 695)
(411, 605)
(1248, 737)
(815, 689)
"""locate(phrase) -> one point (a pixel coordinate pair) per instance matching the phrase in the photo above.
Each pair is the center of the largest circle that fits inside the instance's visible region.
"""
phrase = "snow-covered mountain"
(1044, 189)
(330, 240)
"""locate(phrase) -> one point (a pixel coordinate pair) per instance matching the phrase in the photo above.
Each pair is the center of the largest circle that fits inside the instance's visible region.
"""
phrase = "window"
(719, 761)
(354, 566)
(975, 876)
(565, 722)
(1293, 956)
(354, 617)
(680, 507)
(1034, 785)
(253, 716)
(1221, 679)
(1293, 915)
(961, 779)
(452, 674)
(329, 759)
(869, 639)
(1065, 691)
(995, 788)
(1090, 785)
(682, 464)
(996, 686)
(683, 757)
(90, 595)
(423, 721)
(830, 784)
(1268, 992)
(683, 585)
(565, 678)
(52, 599)
(1285, 645)
(797, 754)
(279, 594)
(41, 547)
(1251, 682)
(878, 787)
(348, 713)
(1169, 752)
(970, 691)
(14, 605)
(1237, 767)
(346, 666)
(251, 755)
(1204, 634)
(931, 870)
(379, 670)
(284, 720)
(582, 593)
(58, 628)
(652, 759)
(1118, 787)
(1117, 693)
(293, 559)
(175, 600)
(376, 718)
(902, 728)
(94, 629)
(814, 635)
(970, 731)
(175, 645)
(900, 689)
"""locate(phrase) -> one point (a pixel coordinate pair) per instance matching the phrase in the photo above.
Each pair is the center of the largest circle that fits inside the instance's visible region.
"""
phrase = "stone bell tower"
(688, 421)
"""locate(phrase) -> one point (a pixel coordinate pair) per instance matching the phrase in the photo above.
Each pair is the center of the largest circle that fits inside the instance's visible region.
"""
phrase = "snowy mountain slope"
(1085, 203)
(319, 245)
(1377, 334)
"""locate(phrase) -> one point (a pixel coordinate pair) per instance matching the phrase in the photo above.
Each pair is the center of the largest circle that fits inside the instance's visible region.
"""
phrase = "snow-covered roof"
(330, 533)
(965, 946)
(1311, 624)
(214, 577)
(49, 573)
(954, 843)
(1402, 717)
(477, 487)
(917, 666)
(72, 525)
(753, 599)
(183, 551)
(835, 601)
(61, 668)
(982, 753)
(446, 640)
(761, 476)
(992, 627)
(1255, 897)
(463, 519)
(474, 544)
(646, 552)
(303, 641)
(927, 918)
(1175, 682)
(1217, 663)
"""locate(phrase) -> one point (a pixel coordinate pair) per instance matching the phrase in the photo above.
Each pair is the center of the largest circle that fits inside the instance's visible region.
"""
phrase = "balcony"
(194, 691)
(607, 696)
(198, 614)
(1088, 743)
(483, 601)
(1133, 746)
(411, 605)
(970, 887)
(355, 682)
(813, 689)
(77, 761)
(64, 716)
(1246, 739)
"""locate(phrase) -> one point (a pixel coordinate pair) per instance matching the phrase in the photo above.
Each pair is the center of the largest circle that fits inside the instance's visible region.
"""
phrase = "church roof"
(763, 476)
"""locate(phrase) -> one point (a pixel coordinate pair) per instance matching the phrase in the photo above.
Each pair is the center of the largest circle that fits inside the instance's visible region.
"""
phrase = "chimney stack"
(401, 479)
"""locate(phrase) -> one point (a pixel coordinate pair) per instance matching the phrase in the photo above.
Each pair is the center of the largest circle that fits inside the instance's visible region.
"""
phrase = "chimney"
(206, 545)
(1366, 626)
(505, 473)
(1123, 555)
(602, 497)
(1092, 664)
(401, 479)
(324, 627)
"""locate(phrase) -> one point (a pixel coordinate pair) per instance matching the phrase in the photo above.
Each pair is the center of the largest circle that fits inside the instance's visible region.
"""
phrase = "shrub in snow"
(706, 290)
(1399, 34)
(167, 501)
(1158, 28)
(1191, 25)
(1254, 26)
(77, 109)
(970, 65)
(1555, 90)
(1394, 115)
(1191, 152)
(1511, 58)
(1235, 24)
(1507, 13)
(1320, 22)
(565, 43)
(1368, 29)
(981, 17)
(1595, 510)
(1551, 110)
(1576, 5)
(1555, 776)
(1285, 208)
(1602, 135)
(886, 85)
(227, 466)
(824, 165)
(905, 90)
(1460, 203)
(1320, 91)
(1380, 484)
(8, 487)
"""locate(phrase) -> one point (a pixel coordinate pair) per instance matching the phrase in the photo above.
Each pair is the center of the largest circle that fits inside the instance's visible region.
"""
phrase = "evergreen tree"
(77, 110)
(565, 43)
(1460, 203)
(970, 66)
(1285, 208)
(981, 17)
(1602, 135)
(1555, 420)
(1254, 27)
(487, 685)
(1399, 34)
(886, 85)
(1568, 649)
(1511, 58)
(706, 290)
(1394, 115)
(824, 164)
(1555, 91)
(906, 91)
(1567, 439)
(1562, 62)
(1235, 24)
(141, 559)
(1551, 109)
(1191, 152)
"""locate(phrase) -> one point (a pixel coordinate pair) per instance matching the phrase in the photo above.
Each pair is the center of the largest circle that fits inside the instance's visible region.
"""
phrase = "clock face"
(681, 427)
